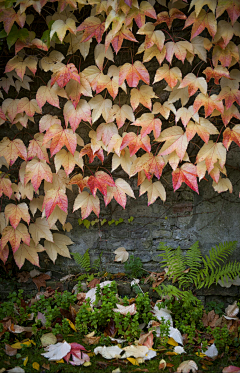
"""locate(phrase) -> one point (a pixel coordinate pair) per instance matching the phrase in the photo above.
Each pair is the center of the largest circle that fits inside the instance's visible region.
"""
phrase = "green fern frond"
(83, 260)
(174, 260)
(173, 291)
(193, 260)
(221, 252)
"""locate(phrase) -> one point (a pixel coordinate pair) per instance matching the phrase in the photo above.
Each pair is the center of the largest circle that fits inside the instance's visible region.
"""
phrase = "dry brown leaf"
(40, 281)
(92, 284)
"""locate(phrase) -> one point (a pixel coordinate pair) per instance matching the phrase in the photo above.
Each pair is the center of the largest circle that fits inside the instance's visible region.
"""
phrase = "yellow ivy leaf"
(87, 364)
(170, 353)
(60, 361)
(172, 342)
(133, 361)
(25, 361)
(72, 325)
(35, 365)
(200, 354)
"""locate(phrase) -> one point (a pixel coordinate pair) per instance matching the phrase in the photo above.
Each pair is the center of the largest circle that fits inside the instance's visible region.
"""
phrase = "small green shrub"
(134, 267)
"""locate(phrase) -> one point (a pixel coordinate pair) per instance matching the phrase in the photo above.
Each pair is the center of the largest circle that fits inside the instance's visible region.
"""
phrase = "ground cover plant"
(60, 331)
(96, 92)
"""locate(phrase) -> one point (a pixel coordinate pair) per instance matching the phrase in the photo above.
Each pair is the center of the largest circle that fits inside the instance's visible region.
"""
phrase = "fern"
(202, 271)
(83, 260)
(97, 263)
(174, 260)
(173, 291)
(193, 260)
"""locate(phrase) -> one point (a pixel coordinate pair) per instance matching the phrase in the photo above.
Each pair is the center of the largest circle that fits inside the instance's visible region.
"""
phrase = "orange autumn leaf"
(12, 150)
(175, 139)
(154, 190)
(142, 95)
(135, 142)
(168, 18)
(231, 6)
(55, 198)
(216, 73)
(200, 22)
(15, 236)
(209, 102)
(230, 135)
(36, 171)
(29, 252)
(187, 174)
(148, 123)
(87, 203)
(60, 137)
(118, 192)
(172, 76)
(92, 26)
(74, 115)
(63, 74)
(133, 73)
(87, 150)
(15, 213)
(150, 164)
(100, 181)
(5, 186)
(211, 153)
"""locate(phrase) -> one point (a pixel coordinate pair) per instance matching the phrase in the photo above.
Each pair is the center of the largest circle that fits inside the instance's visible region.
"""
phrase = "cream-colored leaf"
(121, 255)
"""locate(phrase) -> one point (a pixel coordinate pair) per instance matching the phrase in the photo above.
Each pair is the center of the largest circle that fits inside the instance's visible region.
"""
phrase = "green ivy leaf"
(86, 223)
(80, 221)
(46, 38)
(3, 34)
(12, 36)
(23, 34)
(9, 3)
(111, 222)
(130, 219)
(103, 221)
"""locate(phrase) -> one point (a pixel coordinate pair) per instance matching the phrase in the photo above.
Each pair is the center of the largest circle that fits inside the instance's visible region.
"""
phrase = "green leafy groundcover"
(69, 317)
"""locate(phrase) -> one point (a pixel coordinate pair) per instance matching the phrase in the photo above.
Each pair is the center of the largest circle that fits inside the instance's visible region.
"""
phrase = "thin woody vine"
(94, 93)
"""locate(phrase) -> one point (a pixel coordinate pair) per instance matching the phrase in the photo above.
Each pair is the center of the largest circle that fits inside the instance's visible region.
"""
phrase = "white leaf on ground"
(187, 367)
(211, 351)
(57, 351)
(179, 350)
(163, 312)
(135, 351)
(111, 352)
(121, 255)
(92, 292)
(124, 310)
(231, 369)
(135, 281)
(150, 355)
(16, 370)
(232, 310)
(176, 335)
(116, 370)
(118, 340)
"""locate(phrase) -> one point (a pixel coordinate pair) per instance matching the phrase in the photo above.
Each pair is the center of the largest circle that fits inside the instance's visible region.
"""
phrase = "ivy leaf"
(154, 190)
(36, 171)
(63, 73)
(231, 6)
(151, 164)
(58, 246)
(133, 73)
(122, 113)
(29, 252)
(12, 150)
(40, 229)
(92, 26)
(200, 22)
(209, 102)
(148, 124)
(14, 236)
(168, 18)
(211, 153)
(87, 203)
(55, 198)
(175, 139)
(187, 174)
(15, 213)
(5, 186)
(119, 192)
(100, 181)
(60, 137)
(135, 142)
(230, 135)
(143, 96)
(172, 76)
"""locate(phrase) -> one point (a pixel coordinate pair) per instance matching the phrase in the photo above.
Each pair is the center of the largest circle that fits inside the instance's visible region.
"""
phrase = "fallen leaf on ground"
(187, 367)
(116, 370)
(89, 339)
(16, 370)
(46, 366)
(92, 284)
(179, 350)
(10, 351)
(163, 312)
(48, 339)
(57, 351)
(111, 352)
(232, 310)
(211, 351)
(23, 276)
(124, 310)
(121, 255)
(40, 281)
(35, 365)
(231, 369)
(92, 293)
(162, 364)
(135, 351)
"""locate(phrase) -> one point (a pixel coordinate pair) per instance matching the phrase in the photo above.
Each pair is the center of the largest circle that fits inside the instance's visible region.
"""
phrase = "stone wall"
(183, 219)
